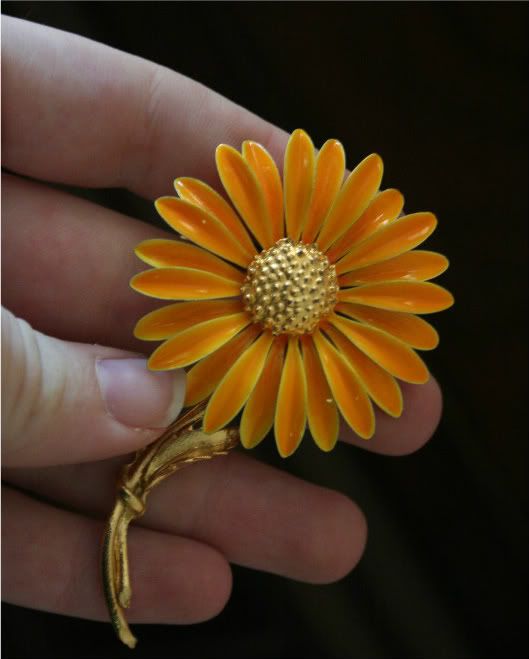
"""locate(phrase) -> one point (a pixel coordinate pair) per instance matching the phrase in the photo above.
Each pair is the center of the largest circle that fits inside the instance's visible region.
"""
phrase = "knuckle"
(25, 402)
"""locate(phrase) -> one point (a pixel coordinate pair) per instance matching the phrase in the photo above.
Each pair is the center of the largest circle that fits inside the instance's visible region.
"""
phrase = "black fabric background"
(439, 90)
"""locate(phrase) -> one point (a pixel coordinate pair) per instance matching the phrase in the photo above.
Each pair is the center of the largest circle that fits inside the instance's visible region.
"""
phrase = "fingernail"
(137, 397)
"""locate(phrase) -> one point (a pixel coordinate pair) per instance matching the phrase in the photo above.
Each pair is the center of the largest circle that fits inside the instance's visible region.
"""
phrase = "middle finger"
(67, 270)
(69, 263)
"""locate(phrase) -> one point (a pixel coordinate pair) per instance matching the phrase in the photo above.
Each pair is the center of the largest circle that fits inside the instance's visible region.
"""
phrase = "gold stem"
(182, 443)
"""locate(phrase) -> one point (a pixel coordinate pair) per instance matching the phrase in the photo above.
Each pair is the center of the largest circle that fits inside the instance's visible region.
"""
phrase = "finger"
(420, 417)
(157, 110)
(69, 402)
(69, 254)
(101, 307)
(50, 561)
(255, 515)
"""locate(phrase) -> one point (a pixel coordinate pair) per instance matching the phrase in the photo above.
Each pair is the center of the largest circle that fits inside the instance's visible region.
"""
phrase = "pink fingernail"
(137, 397)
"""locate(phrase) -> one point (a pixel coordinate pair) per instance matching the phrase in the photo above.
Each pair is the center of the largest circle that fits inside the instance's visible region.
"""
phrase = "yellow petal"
(203, 229)
(237, 385)
(245, 193)
(263, 166)
(355, 196)
(384, 208)
(160, 253)
(183, 284)
(347, 390)
(200, 194)
(258, 415)
(398, 237)
(163, 323)
(387, 351)
(404, 326)
(379, 384)
(194, 343)
(413, 296)
(298, 178)
(330, 167)
(416, 265)
(203, 377)
(291, 413)
(321, 407)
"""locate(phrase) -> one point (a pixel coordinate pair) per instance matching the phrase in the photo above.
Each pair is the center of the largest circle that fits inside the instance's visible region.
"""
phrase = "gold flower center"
(290, 287)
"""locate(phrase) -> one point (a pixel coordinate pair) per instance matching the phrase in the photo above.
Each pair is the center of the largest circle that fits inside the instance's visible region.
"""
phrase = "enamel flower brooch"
(296, 305)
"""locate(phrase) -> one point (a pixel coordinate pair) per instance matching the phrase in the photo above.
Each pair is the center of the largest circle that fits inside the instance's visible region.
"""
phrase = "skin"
(60, 127)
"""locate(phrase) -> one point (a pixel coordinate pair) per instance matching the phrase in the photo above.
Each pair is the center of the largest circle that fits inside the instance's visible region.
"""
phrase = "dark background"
(439, 90)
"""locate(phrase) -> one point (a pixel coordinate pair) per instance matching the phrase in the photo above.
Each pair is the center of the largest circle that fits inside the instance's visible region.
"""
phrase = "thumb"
(67, 402)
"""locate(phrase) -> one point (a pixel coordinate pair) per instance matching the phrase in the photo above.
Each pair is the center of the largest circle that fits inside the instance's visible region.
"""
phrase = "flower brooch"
(296, 305)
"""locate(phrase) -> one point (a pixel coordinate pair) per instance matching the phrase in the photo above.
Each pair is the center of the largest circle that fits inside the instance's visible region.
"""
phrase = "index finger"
(81, 113)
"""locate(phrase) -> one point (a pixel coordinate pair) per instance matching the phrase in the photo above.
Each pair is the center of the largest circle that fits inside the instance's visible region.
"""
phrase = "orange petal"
(380, 385)
(200, 194)
(384, 208)
(173, 318)
(194, 343)
(348, 392)
(291, 412)
(298, 181)
(321, 408)
(330, 167)
(245, 192)
(398, 237)
(417, 265)
(263, 166)
(387, 351)
(258, 415)
(412, 296)
(356, 194)
(183, 284)
(203, 229)
(159, 253)
(404, 326)
(237, 385)
(204, 377)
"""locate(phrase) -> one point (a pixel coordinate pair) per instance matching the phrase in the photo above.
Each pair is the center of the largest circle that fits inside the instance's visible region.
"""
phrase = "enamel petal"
(412, 296)
(245, 192)
(194, 343)
(384, 208)
(163, 323)
(200, 194)
(298, 177)
(380, 385)
(291, 412)
(321, 408)
(387, 351)
(203, 377)
(347, 391)
(330, 167)
(183, 284)
(203, 229)
(416, 265)
(161, 253)
(355, 196)
(258, 415)
(237, 385)
(398, 237)
(263, 166)
(404, 326)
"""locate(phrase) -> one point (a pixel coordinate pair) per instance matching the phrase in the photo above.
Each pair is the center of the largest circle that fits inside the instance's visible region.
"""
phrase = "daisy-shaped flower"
(300, 306)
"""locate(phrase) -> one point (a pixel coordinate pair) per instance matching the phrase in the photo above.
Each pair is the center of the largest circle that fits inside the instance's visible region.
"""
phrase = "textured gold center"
(290, 287)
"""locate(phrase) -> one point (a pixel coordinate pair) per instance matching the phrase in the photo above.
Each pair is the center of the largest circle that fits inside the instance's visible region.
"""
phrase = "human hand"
(79, 113)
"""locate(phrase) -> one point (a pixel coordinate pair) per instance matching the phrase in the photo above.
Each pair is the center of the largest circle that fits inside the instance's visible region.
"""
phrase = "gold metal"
(182, 443)
(290, 287)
